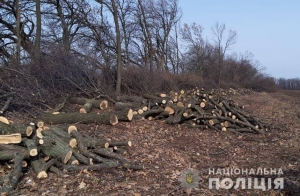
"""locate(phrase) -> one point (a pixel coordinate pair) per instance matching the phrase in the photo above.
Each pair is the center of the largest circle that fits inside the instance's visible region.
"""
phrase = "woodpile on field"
(54, 149)
(231, 91)
(193, 108)
(54, 143)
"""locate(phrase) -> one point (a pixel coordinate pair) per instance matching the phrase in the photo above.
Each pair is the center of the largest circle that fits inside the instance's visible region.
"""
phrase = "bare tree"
(38, 32)
(13, 33)
(222, 45)
(112, 7)
(198, 50)
(63, 21)
(127, 27)
(66, 37)
(174, 52)
(145, 27)
(166, 14)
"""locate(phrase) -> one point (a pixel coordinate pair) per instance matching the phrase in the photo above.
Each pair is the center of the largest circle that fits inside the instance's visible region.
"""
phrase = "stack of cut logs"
(56, 148)
(231, 91)
(194, 108)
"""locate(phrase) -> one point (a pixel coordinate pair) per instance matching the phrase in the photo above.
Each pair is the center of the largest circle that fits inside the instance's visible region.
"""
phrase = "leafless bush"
(62, 72)
(39, 87)
(27, 92)
(138, 80)
(264, 83)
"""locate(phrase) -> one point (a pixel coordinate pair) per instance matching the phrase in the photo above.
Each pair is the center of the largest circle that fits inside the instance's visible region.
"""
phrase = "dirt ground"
(167, 150)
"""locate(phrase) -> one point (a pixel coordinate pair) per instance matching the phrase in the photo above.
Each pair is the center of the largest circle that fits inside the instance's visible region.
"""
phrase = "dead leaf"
(82, 185)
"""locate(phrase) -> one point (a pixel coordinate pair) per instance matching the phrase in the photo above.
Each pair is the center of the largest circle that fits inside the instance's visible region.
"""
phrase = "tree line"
(289, 84)
(91, 43)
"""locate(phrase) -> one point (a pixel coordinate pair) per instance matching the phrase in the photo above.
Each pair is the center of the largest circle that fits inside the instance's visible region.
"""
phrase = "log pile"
(85, 116)
(231, 91)
(195, 108)
(54, 149)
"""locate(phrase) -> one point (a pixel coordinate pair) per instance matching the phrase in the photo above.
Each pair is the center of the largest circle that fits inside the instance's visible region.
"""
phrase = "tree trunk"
(119, 49)
(18, 29)
(70, 118)
(66, 36)
(38, 32)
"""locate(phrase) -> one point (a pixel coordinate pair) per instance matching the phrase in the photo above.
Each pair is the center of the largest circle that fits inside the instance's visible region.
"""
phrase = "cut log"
(10, 139)
(124, 162)
(6, 105)
(169, 110)
(29, 130)
(24, 130)
(202, 104)
(15, 175)
(31, 145)
(121, 151)
(39, 132)
(73, 143)
(72, 128)
(40, 124)
(4, 120)
(56, 149)
(120, 143)
(155, 99)
(210, 126)
(103, 105)
(70, 118)
(180, 104)
(140, 111)
(125, 114)
(163, 95)
(73, 161)
(244, 124)
(86, 107)
(60, 131)
(100, 104)
(127, 105)
(60, 135)
(153, 113)
(7, 155)
(82, 148)
(41, 167)
(94, 143)
(56, 171)
(213, 121)
(81, 158)
(177, 118)
(24, 164)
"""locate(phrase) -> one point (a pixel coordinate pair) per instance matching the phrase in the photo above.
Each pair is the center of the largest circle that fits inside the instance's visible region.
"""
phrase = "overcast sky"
(270, 29)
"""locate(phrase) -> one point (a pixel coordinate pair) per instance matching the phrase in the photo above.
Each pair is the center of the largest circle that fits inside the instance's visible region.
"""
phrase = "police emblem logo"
(189, 178)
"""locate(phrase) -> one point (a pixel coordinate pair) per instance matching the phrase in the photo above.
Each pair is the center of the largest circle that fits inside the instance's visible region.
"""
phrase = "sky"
(269, 29)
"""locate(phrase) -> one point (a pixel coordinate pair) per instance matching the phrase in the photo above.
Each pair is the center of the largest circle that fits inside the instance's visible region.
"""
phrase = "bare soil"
(166, 150)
